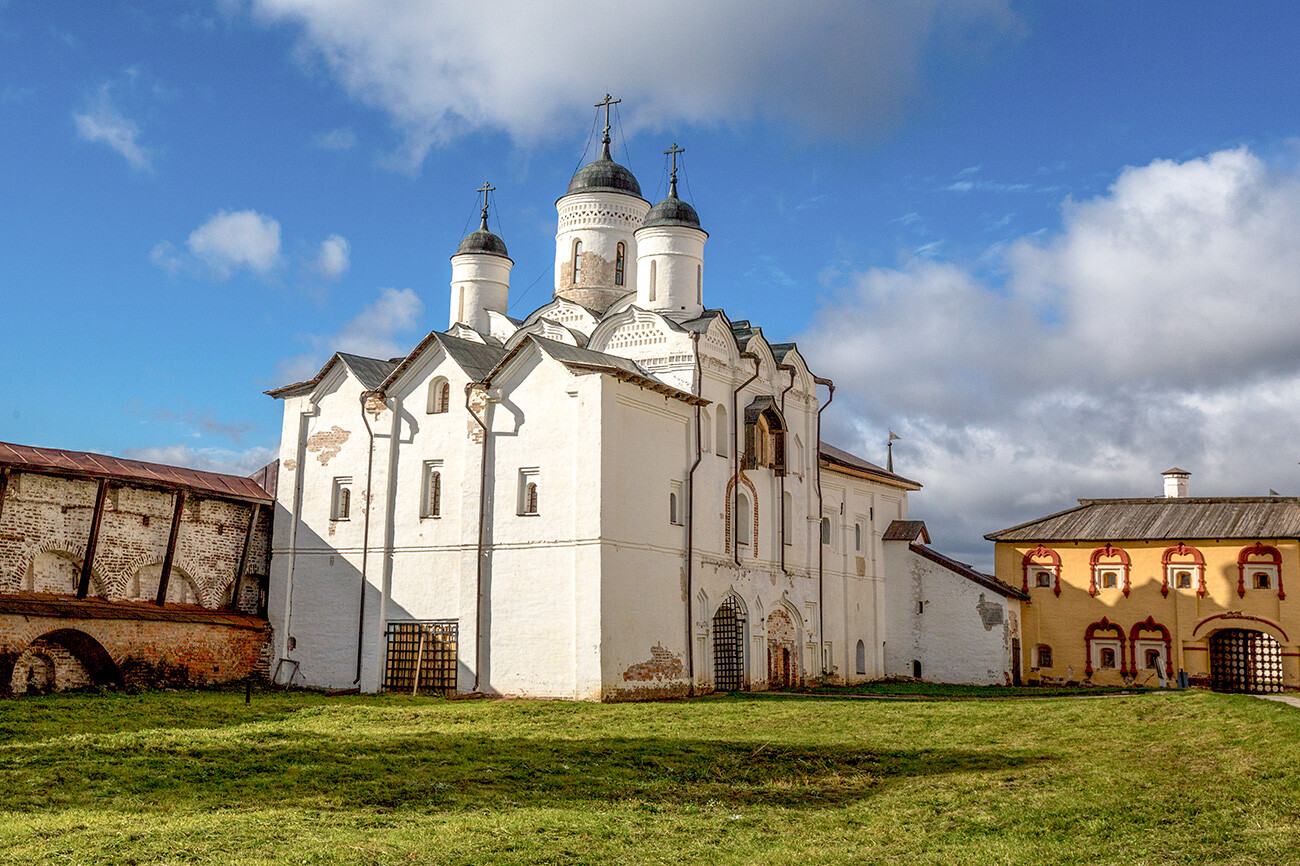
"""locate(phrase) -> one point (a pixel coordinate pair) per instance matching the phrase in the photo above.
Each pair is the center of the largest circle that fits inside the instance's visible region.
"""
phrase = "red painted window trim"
(1245, 559)
(1028, 562)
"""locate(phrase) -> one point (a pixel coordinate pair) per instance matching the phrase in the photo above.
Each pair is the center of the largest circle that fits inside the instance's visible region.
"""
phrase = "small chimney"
(1176, 483)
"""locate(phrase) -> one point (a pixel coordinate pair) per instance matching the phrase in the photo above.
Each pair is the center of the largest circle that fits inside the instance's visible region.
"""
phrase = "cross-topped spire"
(606, 103)
(672, 178)
(485, 189)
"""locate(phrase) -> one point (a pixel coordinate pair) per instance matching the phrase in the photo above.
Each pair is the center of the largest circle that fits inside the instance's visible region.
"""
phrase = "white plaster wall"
(951, 639)
(480, 284)
(600, 220)
(678, 254)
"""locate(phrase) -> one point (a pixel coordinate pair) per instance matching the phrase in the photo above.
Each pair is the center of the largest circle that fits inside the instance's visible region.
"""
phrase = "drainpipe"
(821, 548)
(690, 517)
(482, 520)
(791, 370)
(365, 534)
(735, 457)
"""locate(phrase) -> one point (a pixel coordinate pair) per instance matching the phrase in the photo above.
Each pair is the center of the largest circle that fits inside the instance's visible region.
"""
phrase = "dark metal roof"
(836, 457)
(604, 175)
(987, 581)
(672, 211)
(1175, 519)
(475, 358)
(371, 372)
(82, 464)
(906, 530)
(483, 241)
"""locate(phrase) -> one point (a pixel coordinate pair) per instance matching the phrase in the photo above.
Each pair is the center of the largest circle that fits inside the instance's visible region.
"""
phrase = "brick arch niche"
(62, 659)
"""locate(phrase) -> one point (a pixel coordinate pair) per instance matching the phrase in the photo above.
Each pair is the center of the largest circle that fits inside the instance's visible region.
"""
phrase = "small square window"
(1044, 656)
(1109, 580)
(1043, 578)
(1184, 580)
(341, 499)
(1262, 580)
(1107, 657)
(1152, 659)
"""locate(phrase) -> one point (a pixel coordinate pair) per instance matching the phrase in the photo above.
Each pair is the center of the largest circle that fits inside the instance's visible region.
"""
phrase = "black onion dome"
(672, 211)
(604, 175)
(483, 241)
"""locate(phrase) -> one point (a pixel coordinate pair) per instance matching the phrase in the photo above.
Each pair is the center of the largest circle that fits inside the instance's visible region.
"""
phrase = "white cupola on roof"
(480, 276)
(594, 242)
(1176, 483)
(670, 255)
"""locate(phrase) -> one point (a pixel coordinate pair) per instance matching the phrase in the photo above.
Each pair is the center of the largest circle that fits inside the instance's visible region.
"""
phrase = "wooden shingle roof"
(1160, 519)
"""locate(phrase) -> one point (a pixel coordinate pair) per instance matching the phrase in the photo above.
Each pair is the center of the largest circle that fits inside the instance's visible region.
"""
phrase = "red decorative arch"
(1259, 553)
(1234, 615)
(1029, 561)
(1089, 633)
(1181, 551)
(1108, 552)
(1149, 624)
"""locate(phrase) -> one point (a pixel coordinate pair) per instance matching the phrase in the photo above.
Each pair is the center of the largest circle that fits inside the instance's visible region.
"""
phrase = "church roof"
(1180, 518)
(836, 458)
(371, 372)
(484, 242)
(604, 175)
(476, 359)
(906, 530)
(83, 464)
(672, 211)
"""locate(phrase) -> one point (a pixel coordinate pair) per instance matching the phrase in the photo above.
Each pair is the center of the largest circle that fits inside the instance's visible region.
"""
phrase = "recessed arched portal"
(728, 646)
(782, 651)
(1243, 660)
(63, 659)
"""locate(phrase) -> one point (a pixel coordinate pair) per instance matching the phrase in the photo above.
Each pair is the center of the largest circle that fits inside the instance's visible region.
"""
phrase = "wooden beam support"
(243, 556)
(88, 561)
(166, 574)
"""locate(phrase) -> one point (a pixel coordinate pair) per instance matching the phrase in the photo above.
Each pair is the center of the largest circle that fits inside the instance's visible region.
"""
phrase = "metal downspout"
(791, 371)
(482, 520)
(365, 534)
(821, 546)
(690, 517)
(735, 457)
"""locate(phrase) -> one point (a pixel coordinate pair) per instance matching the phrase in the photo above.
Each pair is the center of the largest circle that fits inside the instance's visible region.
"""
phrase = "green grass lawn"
(299, 778)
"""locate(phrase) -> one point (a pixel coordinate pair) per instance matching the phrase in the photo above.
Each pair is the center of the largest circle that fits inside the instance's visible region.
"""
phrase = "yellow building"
(1125, 591)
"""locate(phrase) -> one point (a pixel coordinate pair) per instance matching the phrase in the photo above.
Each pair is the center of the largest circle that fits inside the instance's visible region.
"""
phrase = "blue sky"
(1051, 245)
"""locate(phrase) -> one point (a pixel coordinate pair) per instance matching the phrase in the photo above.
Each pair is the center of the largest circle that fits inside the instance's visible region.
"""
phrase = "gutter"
(735, 457)
(482, 520)
(821, 546)
(791, 370)
(690, 517)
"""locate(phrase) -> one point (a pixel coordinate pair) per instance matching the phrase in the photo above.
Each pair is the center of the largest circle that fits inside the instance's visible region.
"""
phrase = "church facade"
(623, 495)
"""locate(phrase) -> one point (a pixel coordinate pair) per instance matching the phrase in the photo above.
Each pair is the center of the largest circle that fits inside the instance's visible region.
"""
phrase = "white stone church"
(623, 495)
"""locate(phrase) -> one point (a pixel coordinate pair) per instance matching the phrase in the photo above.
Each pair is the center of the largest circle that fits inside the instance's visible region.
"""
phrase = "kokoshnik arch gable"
(622, 495)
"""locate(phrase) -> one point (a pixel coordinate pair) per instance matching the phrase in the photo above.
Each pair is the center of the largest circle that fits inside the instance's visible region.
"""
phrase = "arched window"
(1043, 578)
(916, 669)
(653, 280)
(787, 519)
(706, 432)
(857, 537)
(826, 530)
(577, 262)
(672, 507)
(1183, 580)
(1109, 580)
(432, 490)
(743, 516)
(862, 657)
(1152, 661)
(699, 284)
(619, 264)
(724, 432)
(530, 498)
(439, 396)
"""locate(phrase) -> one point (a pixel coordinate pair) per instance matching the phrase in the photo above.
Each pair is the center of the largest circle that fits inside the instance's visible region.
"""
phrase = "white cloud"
(332, 261)
(342, 138)
(101, 121)
(822, 65)
(237, 239)
(244, 462)
(1157, 327)
(383, 329)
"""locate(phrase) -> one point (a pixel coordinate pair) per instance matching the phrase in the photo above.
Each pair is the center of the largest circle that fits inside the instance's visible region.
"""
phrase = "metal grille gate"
(728, 647)
(1245, 661)
(426, 650)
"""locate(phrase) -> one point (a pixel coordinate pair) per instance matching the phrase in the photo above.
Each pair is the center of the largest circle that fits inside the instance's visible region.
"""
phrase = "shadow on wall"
(61, 660)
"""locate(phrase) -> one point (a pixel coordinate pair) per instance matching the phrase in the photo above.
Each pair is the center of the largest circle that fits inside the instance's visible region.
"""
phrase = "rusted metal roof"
(833, 458)
(67, 607)
(906, 530)
(1174, 518)
(82, 464)
(987, 581)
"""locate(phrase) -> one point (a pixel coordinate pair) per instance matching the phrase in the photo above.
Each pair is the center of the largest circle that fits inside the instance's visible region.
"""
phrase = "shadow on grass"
(440, 772)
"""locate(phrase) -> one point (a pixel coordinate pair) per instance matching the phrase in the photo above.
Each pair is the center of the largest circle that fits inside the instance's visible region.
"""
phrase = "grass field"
(300, 778)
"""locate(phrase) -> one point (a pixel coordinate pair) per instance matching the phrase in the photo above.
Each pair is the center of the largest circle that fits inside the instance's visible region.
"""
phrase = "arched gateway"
(728, 647)
(1245, 661)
